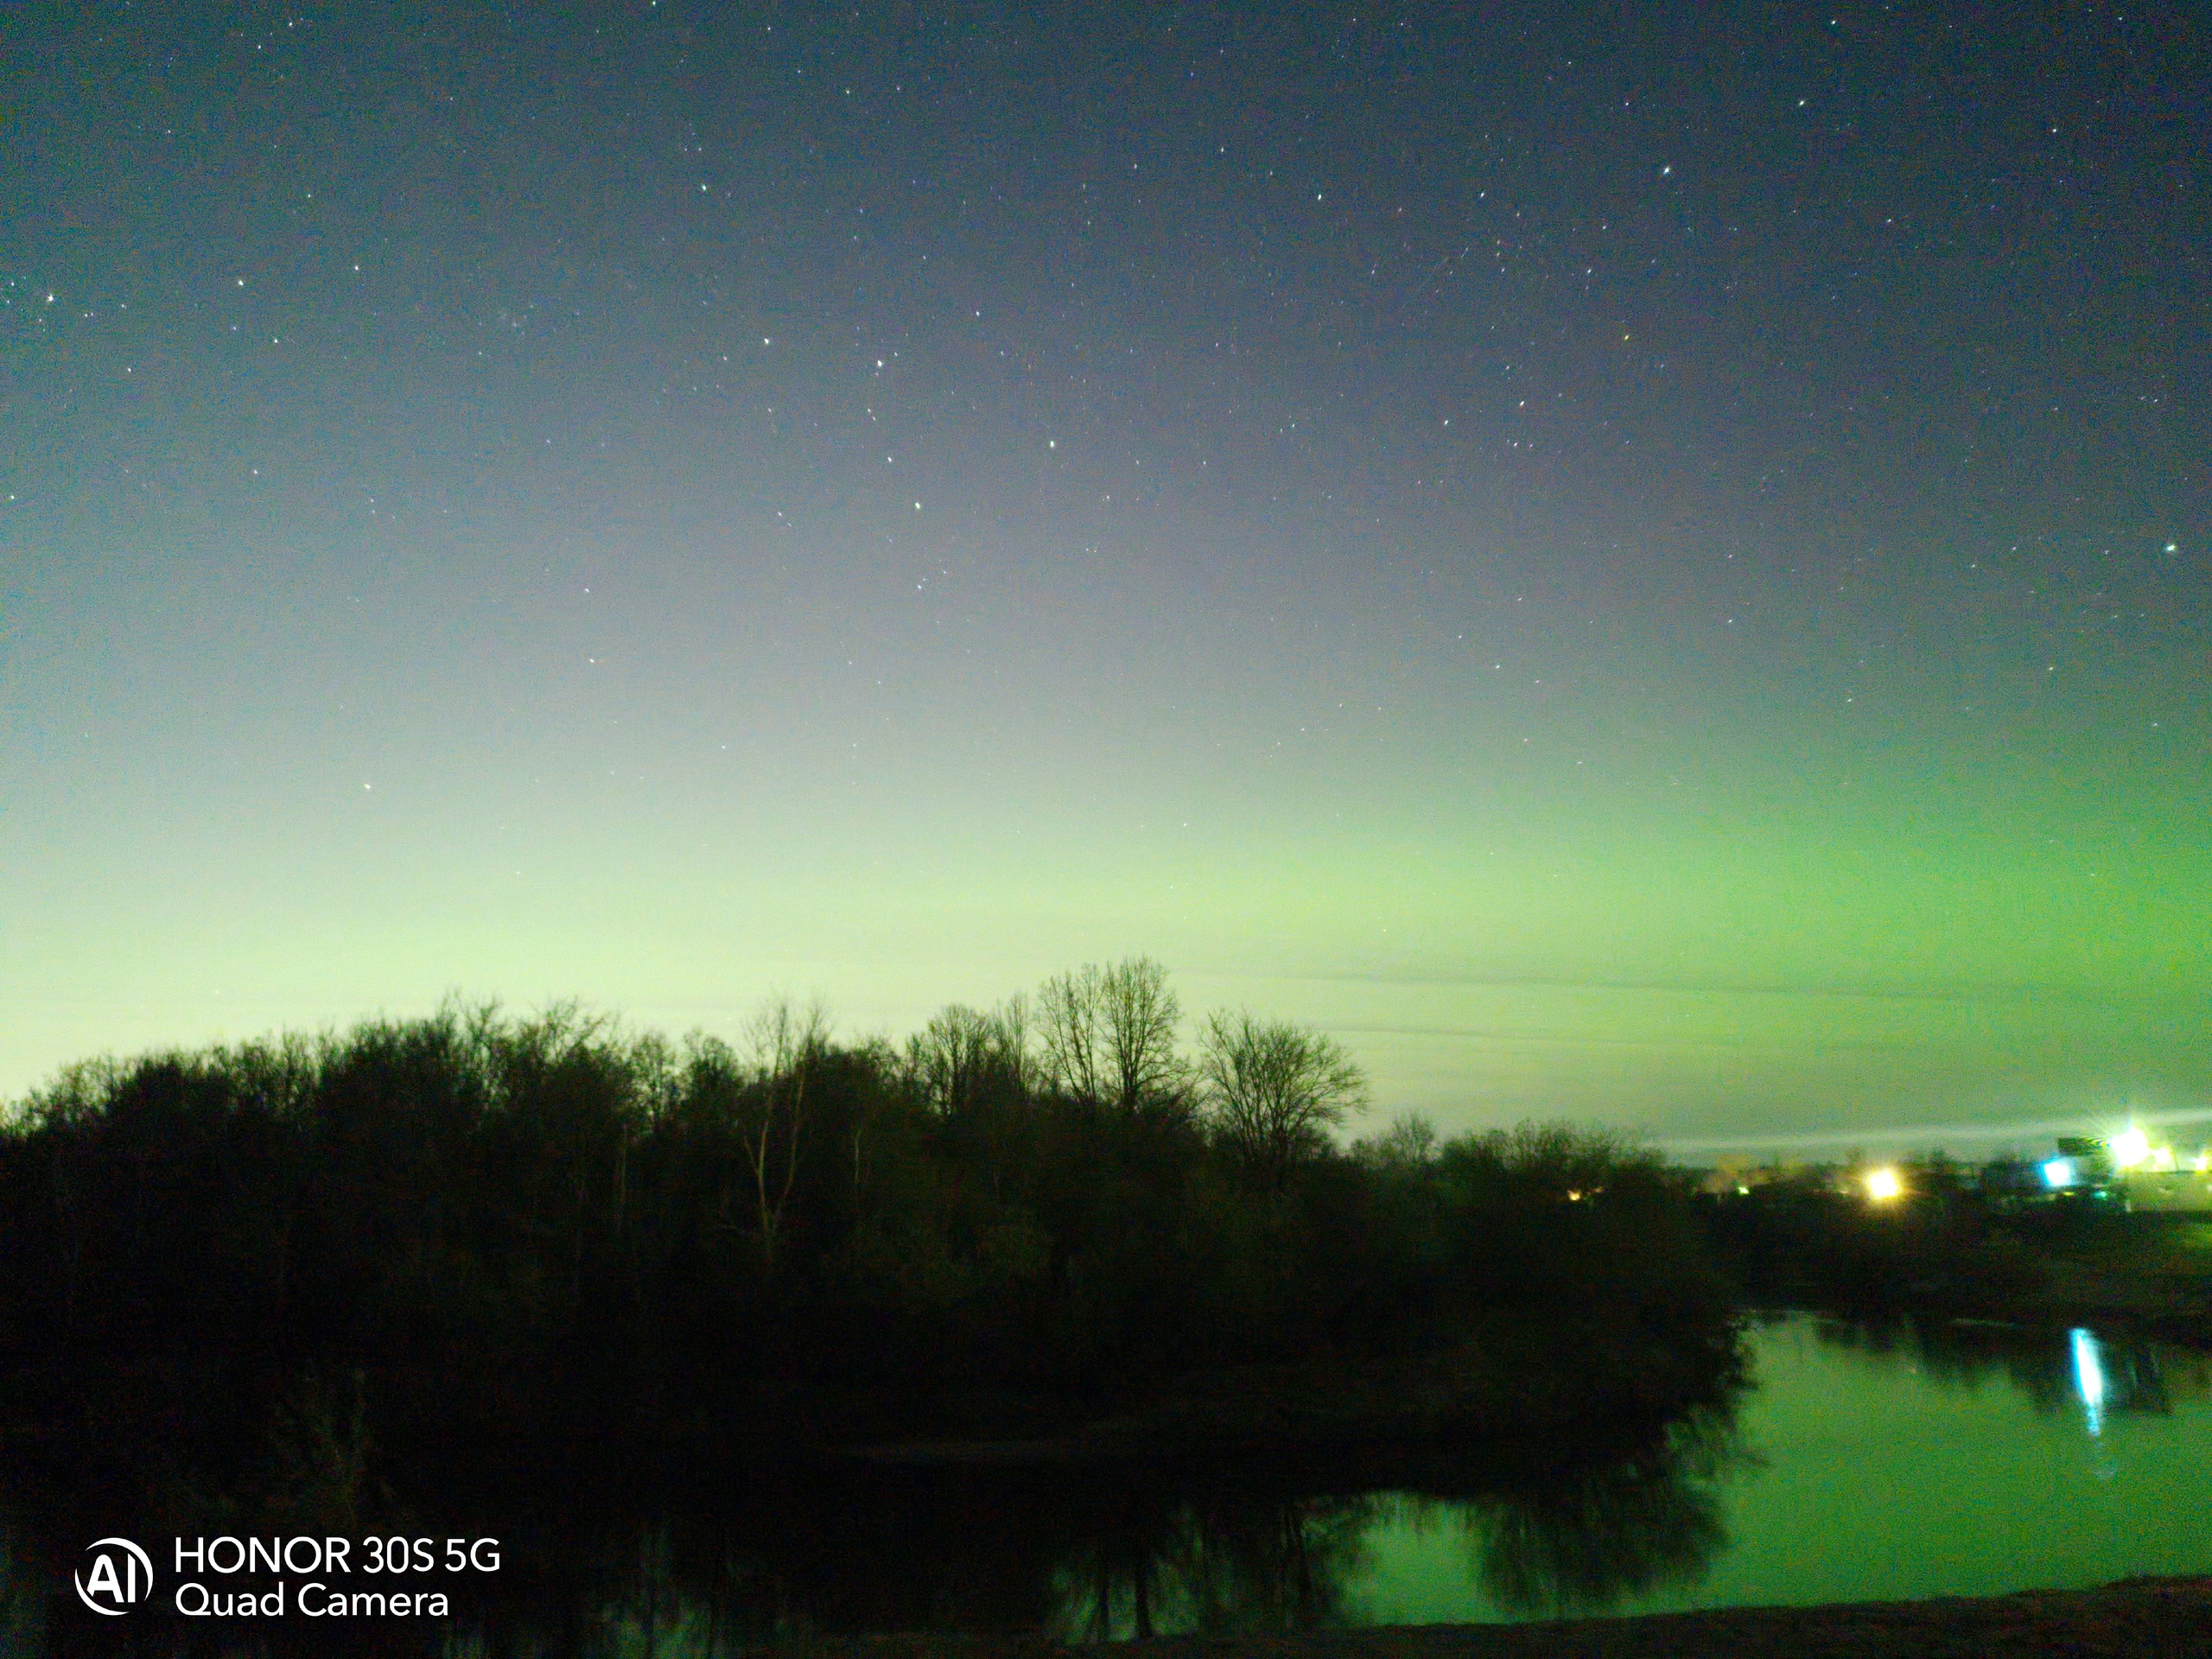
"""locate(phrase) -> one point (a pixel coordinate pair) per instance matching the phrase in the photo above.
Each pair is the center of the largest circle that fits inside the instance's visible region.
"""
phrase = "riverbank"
(2122, 1299)
(1954, 1256)
(2158, 1299)
(2169, 1618)
(1519, 1379)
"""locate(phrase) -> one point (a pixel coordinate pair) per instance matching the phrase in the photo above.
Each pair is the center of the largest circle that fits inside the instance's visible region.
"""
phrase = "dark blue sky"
(1640, 561)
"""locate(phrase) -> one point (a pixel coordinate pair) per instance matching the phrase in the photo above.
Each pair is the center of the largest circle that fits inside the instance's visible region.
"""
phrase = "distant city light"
(2059, 1171)
(1883, 1184)
(2130, 1148)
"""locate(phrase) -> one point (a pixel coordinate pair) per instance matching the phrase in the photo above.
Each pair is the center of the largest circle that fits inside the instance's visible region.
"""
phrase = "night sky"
(1643, 563)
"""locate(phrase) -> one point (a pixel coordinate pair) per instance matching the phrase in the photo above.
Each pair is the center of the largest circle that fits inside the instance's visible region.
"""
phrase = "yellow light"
(1883, 1184)
(2130, 1148)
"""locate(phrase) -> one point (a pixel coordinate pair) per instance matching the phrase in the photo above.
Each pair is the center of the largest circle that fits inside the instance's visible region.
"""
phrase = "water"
(1863, 1465)
(1866, 1466)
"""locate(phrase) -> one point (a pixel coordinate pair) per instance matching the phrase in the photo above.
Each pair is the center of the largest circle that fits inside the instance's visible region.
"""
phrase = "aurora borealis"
(1644, 565)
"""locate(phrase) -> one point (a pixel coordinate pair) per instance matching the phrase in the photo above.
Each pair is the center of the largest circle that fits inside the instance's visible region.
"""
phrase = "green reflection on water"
(1868, 1463)
(1897, 1463)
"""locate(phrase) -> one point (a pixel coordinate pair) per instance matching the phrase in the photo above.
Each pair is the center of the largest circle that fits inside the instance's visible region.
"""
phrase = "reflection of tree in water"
(1081, 1560)
(697, 1560)
(1092, 1561)
(1219, 1566)
(656, 1608)
(21, 1618)
(2139, 1378)
(1582, 1530)
(1584, 1540)
(1080, 1557)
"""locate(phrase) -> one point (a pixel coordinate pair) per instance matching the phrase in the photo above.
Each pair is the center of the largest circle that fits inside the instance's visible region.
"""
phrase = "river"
(1867, 1465)
(1861, 1463)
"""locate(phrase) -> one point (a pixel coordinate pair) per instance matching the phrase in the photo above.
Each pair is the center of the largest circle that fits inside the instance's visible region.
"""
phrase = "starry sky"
(1644, 563)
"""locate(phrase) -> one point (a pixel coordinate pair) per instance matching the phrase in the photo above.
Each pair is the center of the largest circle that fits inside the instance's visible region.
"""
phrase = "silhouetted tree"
(1408, 1146)
(1108, 1036)
(515, 1220)
(962, 1056)
(1274, 1090)
(786, 1047)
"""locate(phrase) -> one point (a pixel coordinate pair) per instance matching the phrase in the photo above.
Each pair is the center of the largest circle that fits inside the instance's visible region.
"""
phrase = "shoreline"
(2170, 1617)
(2122, 1305)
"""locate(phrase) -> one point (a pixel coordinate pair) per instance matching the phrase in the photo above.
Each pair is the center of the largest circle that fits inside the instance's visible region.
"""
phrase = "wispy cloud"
(1574, 1039)
(2009, 993)
(1894, 1135)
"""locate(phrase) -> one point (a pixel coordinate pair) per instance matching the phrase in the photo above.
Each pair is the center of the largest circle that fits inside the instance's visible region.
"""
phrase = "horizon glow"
(1625, 577)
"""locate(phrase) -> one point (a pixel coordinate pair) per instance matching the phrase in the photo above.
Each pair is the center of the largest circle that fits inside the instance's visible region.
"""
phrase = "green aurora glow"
(1728, 660)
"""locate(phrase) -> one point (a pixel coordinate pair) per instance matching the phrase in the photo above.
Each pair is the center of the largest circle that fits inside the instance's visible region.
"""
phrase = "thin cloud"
(2008, 992)
(1935, 1134)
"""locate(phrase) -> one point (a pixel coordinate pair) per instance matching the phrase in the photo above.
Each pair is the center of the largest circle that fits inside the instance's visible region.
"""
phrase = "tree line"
(551, 1217)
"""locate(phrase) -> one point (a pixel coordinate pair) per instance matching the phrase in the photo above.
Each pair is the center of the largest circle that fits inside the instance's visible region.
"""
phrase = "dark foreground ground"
(2167, 1617)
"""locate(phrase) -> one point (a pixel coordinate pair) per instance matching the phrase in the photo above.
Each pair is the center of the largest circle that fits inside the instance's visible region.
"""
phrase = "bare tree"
(1109, 1035)
(1141, 1016)
(1015, 1026)
(1409, 1143)
(1070, 1023)
(783, 1045)
(962, 1053)
(949, 1058)
(1274, 1090)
